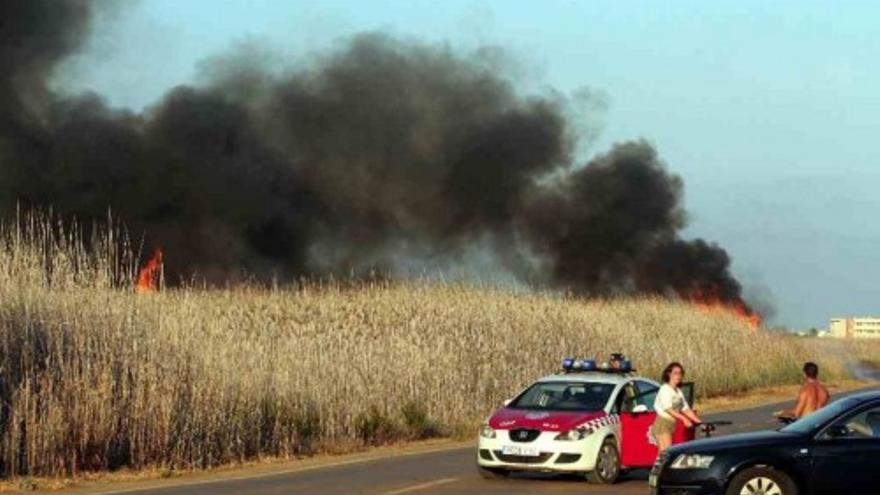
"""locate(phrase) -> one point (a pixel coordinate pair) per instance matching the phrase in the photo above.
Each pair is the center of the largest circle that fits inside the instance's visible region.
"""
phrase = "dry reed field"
(95, 376)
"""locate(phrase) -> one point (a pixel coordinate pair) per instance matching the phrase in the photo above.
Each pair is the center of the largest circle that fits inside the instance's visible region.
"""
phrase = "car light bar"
(621, 365)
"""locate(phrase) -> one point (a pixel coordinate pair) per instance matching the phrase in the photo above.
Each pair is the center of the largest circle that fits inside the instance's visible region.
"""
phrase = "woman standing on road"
(671, 405)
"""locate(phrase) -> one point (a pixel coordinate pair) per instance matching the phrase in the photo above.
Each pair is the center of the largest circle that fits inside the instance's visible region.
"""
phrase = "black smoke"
(373, 155)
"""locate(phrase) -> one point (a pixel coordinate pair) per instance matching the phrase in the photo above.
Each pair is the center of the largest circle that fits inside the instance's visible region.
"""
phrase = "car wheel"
(761, 481)
(607, 464)
(493, 473)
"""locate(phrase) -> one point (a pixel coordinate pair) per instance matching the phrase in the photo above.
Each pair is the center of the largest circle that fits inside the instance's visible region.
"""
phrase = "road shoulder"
(131, 482)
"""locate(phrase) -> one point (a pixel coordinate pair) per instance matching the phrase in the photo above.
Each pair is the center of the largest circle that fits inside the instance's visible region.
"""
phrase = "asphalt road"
(444, 472)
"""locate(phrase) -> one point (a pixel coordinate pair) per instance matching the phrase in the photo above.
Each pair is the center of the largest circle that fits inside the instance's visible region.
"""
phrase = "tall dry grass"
(97, 377)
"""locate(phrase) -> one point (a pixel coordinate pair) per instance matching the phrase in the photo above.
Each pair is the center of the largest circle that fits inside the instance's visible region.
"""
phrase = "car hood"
(737, 440)
(509, 418)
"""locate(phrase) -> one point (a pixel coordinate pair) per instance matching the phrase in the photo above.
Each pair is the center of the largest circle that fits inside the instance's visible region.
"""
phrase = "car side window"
(626, 398)
(647, 394)
(645, 387)
(637, 393)
(865, 424)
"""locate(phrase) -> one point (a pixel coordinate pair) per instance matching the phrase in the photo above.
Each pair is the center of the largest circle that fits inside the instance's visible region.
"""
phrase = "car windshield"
(564, 396)
(811, 422)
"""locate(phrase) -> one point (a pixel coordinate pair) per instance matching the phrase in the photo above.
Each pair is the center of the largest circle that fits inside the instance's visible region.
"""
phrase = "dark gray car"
(834, 451)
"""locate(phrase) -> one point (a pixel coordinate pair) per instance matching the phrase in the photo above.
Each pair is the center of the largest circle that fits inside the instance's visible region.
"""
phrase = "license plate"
(520, 451)
(652, 480)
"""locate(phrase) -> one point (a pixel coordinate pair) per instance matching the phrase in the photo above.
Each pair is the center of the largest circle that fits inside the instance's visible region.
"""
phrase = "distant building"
(855, 328)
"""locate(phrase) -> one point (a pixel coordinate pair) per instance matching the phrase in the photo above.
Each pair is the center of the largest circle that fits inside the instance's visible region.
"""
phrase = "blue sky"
(768, 111)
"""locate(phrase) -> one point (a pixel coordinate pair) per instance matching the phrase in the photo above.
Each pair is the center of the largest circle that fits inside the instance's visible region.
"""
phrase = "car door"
(637, 447)
(688, 389)
(846, 455)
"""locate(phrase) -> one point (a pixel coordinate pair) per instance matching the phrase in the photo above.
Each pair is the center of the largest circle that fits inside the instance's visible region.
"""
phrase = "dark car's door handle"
(803, 453)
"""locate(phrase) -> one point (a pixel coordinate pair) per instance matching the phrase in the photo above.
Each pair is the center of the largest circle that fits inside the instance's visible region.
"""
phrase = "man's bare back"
(813, 396)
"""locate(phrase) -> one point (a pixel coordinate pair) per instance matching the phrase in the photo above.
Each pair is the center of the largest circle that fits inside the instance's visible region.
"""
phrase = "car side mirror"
(507, 402)
(837, 431)
(639, 409)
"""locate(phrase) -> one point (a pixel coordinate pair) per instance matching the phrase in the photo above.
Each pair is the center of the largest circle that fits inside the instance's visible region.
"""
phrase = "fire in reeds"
(708, 300)
(150, 275)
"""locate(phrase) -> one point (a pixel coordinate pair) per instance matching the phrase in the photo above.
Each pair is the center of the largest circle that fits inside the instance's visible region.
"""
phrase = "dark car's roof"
(868, 395)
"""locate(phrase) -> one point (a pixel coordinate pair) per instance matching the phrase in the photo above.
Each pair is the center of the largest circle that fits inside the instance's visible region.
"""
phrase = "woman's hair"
(668, 371)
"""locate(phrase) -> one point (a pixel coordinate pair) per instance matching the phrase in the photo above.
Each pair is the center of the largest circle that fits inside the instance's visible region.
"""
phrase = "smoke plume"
(376, 154)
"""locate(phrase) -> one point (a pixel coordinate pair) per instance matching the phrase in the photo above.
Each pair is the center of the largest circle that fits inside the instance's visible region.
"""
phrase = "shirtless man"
(813, 394)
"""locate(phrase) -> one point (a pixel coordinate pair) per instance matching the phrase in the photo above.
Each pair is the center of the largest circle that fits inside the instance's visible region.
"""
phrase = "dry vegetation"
(97, 377)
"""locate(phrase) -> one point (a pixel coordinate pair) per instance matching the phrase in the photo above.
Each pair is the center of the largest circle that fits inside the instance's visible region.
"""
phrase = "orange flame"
(708, 301)
(148, 278)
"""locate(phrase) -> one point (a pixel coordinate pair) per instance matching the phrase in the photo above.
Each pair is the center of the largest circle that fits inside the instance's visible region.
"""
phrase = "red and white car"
(591, 420)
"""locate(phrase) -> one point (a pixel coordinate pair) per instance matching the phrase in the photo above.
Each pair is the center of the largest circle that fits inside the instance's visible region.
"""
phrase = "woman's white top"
(670, 398)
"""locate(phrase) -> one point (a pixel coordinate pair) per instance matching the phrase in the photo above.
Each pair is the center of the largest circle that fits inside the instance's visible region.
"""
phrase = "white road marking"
(294, 470)
(423, 486)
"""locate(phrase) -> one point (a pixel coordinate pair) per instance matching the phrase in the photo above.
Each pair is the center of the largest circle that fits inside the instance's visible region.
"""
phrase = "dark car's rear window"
(811, 422)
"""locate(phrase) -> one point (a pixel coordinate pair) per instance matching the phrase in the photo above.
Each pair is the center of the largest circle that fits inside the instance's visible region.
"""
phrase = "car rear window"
(811, 422)
(565, 396)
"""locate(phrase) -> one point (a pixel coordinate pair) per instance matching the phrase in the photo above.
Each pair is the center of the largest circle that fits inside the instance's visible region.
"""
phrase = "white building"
(855, 328)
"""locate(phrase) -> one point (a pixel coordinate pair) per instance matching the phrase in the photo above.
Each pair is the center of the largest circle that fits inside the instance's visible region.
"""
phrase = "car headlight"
(692, 461)
(487, 432)
(575, 434)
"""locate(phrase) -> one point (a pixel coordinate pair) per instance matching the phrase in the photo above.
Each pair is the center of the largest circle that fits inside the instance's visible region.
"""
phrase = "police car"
(591, 419)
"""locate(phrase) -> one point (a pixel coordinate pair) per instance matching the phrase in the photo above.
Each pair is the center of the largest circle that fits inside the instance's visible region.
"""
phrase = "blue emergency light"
(572, 364)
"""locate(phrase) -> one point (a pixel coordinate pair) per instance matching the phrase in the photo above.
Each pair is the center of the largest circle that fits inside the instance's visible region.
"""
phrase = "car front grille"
(567, 458)
(519, 459)
(524, 436)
